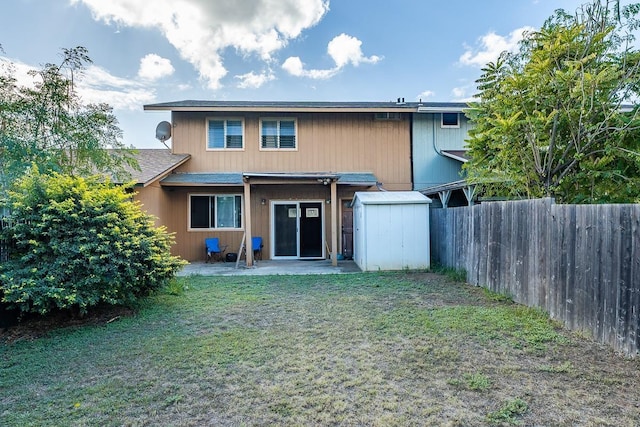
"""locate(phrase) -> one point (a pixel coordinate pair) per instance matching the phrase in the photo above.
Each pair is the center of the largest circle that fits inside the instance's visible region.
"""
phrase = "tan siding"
(326, 142)
(153, 201)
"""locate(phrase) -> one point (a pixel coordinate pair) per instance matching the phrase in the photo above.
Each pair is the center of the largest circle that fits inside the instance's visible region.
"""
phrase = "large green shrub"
(80, 242)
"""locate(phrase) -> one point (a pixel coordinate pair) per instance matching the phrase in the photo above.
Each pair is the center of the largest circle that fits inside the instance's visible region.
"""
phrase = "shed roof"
(391, 198)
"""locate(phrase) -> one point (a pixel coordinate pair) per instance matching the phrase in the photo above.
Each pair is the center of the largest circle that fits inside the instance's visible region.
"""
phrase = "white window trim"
(189, 228)
(278, 119)
(443, 126)
(224, 119)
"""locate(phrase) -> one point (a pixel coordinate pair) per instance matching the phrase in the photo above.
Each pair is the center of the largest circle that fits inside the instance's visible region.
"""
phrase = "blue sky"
(148, 51)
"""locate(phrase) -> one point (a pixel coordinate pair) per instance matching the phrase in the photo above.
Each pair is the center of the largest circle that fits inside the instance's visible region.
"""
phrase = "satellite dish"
(163, 131)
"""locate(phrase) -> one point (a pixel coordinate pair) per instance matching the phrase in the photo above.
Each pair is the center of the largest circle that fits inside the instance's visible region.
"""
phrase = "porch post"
(247, 223)
(334, 223)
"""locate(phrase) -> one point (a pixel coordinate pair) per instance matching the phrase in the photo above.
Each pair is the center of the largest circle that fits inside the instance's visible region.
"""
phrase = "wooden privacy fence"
(581, 263)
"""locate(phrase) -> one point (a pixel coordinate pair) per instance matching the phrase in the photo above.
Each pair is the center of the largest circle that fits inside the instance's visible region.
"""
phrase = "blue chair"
(214, 250)
(256, 245)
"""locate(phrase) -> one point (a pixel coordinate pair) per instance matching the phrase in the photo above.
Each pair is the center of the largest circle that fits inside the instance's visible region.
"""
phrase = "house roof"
(237, 178)
(155, 163)
(306, 106)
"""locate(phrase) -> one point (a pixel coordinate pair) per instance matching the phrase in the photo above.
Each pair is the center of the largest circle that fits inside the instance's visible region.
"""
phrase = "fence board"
(580, 263)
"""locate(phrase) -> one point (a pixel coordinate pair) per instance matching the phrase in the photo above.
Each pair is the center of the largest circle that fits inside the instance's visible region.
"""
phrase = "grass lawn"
(358, 349)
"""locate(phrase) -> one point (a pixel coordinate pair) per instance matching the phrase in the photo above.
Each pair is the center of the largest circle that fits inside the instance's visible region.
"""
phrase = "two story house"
(288, 171)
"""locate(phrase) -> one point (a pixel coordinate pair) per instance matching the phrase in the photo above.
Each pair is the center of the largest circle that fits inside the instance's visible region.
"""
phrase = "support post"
(334, 223)
(247, 223)
(444, 198)
(469, 192)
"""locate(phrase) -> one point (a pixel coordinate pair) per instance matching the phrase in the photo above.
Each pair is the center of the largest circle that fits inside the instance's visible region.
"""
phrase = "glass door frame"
(272, 226)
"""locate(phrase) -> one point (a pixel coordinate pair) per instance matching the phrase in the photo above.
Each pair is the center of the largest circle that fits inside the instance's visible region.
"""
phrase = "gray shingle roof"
(154, 163)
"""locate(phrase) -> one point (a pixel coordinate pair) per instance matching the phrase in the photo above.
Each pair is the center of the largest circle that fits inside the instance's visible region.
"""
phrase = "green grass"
(509, 413)
(402, 348)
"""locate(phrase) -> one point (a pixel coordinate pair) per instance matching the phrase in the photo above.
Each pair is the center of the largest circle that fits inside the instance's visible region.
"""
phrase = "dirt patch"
(33, 326)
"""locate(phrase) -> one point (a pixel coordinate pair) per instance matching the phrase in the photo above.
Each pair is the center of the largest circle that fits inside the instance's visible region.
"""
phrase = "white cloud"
(343, 49)
(94, 85)
(98, 85)
(294, 66)
(201, 29)
(19, 70)
(252, 80)
(426, 94)
(155, 67)
(459, 94)
(491, 45)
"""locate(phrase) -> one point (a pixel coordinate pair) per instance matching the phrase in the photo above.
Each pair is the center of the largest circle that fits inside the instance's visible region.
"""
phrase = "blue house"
(439, 131)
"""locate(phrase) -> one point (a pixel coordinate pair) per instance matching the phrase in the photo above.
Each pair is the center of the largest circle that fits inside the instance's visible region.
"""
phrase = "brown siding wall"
(326, 143)
(190, 244)
(154, 201)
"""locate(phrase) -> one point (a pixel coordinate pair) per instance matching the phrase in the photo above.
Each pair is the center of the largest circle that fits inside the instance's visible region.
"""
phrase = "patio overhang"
(248, 181)
(221, 179)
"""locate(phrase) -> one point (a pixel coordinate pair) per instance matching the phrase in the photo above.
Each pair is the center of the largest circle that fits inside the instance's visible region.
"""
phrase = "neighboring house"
(439, 133)
(288, 171)
(439, 151)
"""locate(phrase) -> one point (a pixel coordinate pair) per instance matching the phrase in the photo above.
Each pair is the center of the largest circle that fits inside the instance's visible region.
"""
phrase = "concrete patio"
(269, 267)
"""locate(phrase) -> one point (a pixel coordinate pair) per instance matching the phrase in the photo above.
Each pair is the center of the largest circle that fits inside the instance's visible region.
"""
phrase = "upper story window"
(225, 133)
(215, 211)
(450, 120)
(278, 133)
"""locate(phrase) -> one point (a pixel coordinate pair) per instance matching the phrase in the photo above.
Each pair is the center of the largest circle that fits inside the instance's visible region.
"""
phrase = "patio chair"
(256, 244)
(214, 250)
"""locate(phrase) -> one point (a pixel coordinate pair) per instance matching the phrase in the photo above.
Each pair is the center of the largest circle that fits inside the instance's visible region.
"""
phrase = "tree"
(560, 117)
(47, 124)
(79, 243)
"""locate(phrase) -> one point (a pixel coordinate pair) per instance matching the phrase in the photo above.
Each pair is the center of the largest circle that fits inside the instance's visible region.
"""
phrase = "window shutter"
(234, 134)
(287, 134)
(216, 134)
(269, 134)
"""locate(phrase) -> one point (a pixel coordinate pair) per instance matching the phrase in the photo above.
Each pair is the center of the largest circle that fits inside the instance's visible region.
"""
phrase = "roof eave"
(281, 109)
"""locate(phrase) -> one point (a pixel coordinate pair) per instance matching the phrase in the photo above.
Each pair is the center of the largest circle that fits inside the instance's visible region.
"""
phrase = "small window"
(450, 120)
(215, 211)
(224, 134)
(277, 134)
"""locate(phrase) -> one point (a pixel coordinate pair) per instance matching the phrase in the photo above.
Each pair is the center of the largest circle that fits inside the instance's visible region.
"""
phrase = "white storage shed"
(391, 230)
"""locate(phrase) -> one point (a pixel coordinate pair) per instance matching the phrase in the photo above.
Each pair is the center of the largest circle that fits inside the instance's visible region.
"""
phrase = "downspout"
(433, 135)
(411, 142)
